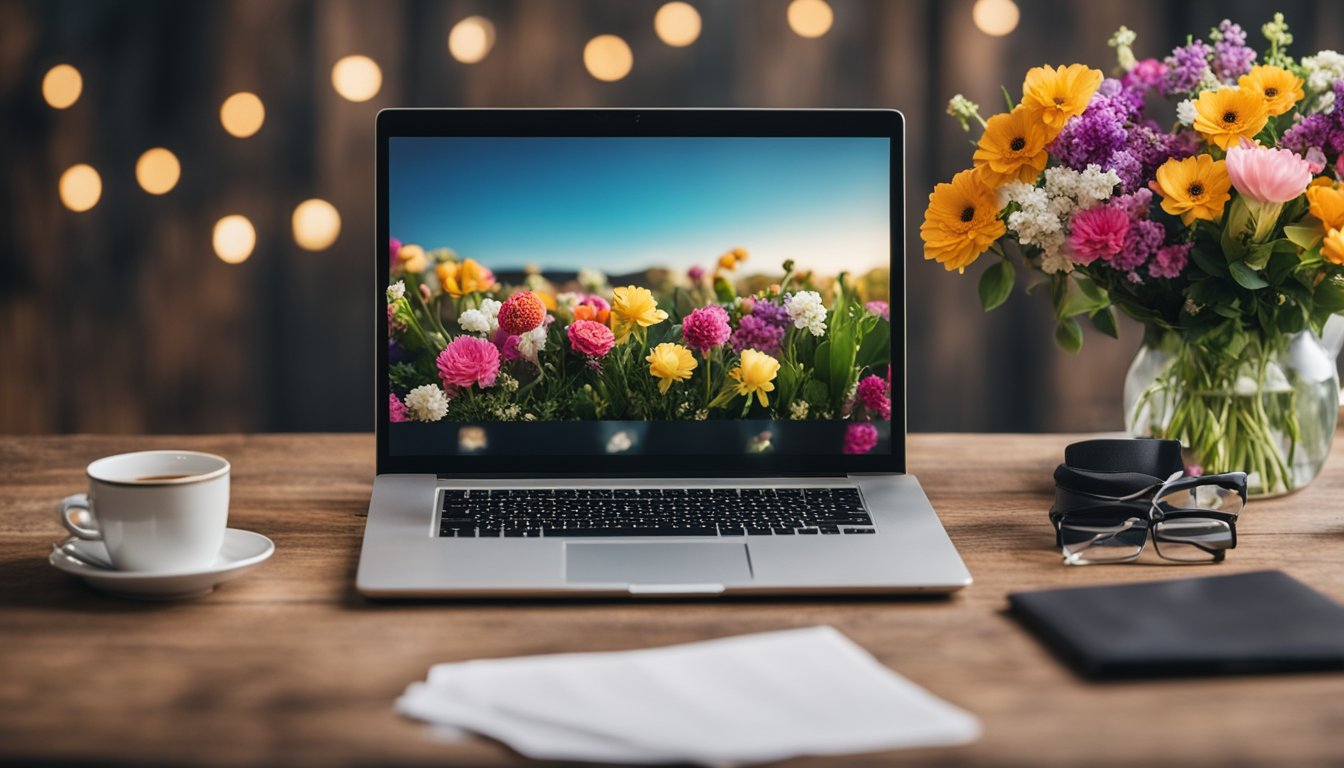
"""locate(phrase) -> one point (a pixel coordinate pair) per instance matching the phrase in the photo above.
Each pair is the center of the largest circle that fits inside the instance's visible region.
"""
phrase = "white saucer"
(242, 551)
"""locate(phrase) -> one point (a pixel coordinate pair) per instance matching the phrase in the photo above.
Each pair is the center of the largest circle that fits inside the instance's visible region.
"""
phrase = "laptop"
(644, 353)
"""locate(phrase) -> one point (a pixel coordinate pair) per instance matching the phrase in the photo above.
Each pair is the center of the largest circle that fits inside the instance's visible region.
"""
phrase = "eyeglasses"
(1191, 519)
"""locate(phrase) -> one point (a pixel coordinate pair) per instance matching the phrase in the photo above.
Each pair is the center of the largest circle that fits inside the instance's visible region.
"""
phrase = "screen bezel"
(634, 123)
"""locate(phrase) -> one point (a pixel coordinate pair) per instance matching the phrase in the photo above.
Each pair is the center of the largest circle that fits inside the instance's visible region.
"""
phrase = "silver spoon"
(80, 558)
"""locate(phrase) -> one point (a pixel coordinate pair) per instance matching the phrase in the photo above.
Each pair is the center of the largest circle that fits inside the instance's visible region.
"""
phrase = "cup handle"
(78, 504)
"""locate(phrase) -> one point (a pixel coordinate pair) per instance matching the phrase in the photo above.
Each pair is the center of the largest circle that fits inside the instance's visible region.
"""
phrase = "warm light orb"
(677, 24)
(316, 225)
(80, 187)
(810, 18)
(608, 58)
(357, 78)
(158, 170)
(995, 17)
(242, 114)
(234, 239)
(471, 39)
(62, 85)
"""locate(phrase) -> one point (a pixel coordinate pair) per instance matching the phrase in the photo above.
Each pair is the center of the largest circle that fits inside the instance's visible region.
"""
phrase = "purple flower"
(393, 245)
(1101, 135)
(1231, 57)
(696, 274)
(860, 438)
(706, 328)
(1186, 67)
(1323, 131)
(762, 329)
(1142, 240)
(1170, 260)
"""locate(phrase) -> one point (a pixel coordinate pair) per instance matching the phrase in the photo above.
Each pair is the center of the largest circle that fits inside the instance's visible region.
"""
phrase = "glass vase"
(1266, 406)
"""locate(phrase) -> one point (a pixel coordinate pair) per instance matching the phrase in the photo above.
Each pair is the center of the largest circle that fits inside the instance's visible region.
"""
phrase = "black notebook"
(1265, 621)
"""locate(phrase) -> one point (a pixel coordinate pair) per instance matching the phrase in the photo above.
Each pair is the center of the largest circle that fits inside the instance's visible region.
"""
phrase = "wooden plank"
(288, 665)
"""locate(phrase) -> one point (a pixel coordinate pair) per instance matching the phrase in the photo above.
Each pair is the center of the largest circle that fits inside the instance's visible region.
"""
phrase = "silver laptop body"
(746, 501)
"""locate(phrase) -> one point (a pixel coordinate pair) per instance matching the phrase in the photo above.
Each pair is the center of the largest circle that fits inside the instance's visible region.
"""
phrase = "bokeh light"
(608, 58)
(80, 187)
(317, 224)
(357, 78)
(62, 85)
(234, 239)
(677, 24)
(810, 18)
(471, 39)
(995, 17)
(158, 170)
(242, 114)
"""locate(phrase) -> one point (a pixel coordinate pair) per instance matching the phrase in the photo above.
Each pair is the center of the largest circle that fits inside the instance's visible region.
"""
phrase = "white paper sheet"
(742, 699)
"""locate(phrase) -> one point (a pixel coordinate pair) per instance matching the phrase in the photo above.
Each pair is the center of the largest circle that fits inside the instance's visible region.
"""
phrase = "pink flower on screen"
(1268, 175)
(393, 245)
(591, 338)
(872, 394)
(696, 274)
(396, 410)
(469, 360)
(861, 437)
(706, 328)
(1097, 232)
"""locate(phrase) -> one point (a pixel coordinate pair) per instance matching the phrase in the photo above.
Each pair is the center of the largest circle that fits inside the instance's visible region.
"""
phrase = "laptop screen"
(639, 296)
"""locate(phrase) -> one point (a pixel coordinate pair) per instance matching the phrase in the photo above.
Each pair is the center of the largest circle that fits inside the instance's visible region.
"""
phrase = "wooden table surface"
(288, 665)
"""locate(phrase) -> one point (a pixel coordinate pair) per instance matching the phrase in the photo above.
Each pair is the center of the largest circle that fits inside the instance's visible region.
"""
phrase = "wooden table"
(289, 666)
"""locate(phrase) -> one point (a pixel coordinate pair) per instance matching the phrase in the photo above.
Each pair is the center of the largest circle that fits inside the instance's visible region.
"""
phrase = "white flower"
(798, 410)
(532, 342)
(806, 311)
(396, 291)
(1323, 69)
(566, 301)
(474, 321)
(1186, 113)
(427, 403)
(592, 280)
(1209, 82)
(1056, 261)
(507, 382)
(1325, 103)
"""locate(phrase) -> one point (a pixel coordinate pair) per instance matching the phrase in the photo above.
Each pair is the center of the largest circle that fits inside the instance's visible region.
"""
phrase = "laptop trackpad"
(656, 563)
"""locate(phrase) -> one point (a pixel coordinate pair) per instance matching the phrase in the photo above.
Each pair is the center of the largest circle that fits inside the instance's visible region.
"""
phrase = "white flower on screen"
(798, 410)
(484, 321)
(396, 291)
(427, 403)
(1186, 112)
(531, 343)
(592, 280)
(806, 311)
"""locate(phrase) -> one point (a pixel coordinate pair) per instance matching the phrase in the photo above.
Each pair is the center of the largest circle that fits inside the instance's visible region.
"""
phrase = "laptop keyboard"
(570, 512)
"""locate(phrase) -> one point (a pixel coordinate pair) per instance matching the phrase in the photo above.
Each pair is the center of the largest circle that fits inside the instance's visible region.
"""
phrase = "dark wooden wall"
(121, 319)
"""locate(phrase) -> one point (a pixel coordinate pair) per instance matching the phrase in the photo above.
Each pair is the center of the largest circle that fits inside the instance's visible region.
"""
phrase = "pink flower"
(1315, 160)
(1339, 167)
(861, 437)
(1170, 260)
(393, 245)
(696, 274)
(1268, 175)
(468, 360)
(706, 328)
(396, 410)
(1097, 232)
(507, 344)
(589, 337)
(872, 394)
(880, 308)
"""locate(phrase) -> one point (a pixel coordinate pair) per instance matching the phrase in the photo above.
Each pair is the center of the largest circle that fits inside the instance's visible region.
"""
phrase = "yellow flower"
(727, 261)
(1228, 115)
(740, 253)
(1327, 204)
(412, 258)
(1280, 88)
(467, 277)
(1055, 95)
(633, 306)
(755, 375)
(670, 362)
(1012, 148)
(1194, 188)
(1332, 248)
(961, 222)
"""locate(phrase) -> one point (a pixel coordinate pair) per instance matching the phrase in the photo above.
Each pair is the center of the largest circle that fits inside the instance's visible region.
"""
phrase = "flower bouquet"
(467, 346)
(1221, 230)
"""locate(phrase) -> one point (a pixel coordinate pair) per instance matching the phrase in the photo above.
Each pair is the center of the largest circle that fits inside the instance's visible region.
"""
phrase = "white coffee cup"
(154, 510)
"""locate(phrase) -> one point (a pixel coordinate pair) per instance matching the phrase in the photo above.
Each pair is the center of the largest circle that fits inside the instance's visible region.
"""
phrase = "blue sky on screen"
(623, 205)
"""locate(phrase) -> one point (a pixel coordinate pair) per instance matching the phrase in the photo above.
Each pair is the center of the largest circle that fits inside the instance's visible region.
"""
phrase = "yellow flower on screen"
(1226, 116)
(1054, 95)
(670, 363)
(755, 375)
(1280, 88)
(413, 258)
(459, 279)
(727, 261)
(1194, 188)
(632, 307)
(961, 222)
(1012, 148)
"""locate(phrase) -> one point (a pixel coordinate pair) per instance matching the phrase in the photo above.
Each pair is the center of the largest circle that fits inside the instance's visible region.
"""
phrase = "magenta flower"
(468, 360)
(872, 394)
(1268, 175)
(880, 308)
(591, 338)
(1170, 260)
(696, 274)
(861, 437)
(396, 410)
(393, 245)
(1097, 232)
(706, 328)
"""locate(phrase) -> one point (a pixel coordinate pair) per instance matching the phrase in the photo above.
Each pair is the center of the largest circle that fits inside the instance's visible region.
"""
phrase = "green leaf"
(1329, 296)
(996, 283)
(1081, 296)
(1303, 237)
(723, 290)
(1258, 256)
(1069, 335)
(1007, 97)
(1104, 321)
(1246, 277)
